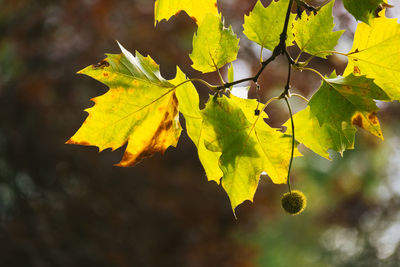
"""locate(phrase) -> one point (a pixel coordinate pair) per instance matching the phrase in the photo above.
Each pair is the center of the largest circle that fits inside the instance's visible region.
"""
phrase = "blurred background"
(64, 205)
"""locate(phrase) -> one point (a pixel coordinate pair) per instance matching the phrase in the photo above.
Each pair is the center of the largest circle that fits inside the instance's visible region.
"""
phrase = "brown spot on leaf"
(128, 160)
(82, 143)
(105, 74)
(102, 64)
(144, 154)
(168, 125)
(215, 4)
(158, 141)
(357, 120)
(373, 118)
(356, 70)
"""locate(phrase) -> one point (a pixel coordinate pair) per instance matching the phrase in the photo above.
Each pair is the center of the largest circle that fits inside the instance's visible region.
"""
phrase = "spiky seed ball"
(294, 202)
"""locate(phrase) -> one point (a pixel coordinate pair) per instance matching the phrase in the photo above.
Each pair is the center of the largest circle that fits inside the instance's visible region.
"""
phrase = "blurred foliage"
(63, 205)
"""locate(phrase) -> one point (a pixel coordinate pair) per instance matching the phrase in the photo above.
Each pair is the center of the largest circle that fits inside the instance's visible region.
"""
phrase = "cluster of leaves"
(234, 143)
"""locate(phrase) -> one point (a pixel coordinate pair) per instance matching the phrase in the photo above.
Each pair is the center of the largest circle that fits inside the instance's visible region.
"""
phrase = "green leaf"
(340, 104)
(319, 138)
(313, 33)
(248, 146)
(362, 10)
(140, 109)
(376, 54)
(165, 9)
(188, 99)
(213, 45)
(264, 25)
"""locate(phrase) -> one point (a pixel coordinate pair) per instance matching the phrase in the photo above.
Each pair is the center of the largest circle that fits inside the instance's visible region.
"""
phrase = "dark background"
(65, 205)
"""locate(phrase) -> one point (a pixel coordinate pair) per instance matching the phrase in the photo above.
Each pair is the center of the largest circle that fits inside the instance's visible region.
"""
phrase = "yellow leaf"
(140, 109)
(376, 54)
(165, 9)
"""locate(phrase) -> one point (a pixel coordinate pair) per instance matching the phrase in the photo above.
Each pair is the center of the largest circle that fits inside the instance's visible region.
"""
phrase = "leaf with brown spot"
(340, 104)
(140, 109)
(376, 54)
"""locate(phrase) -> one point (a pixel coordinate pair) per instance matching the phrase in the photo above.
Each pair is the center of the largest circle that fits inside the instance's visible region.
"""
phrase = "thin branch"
(315, 71)
(291, 156)
(300, 96)
(269, 102)
(278, 50)
(211, 87)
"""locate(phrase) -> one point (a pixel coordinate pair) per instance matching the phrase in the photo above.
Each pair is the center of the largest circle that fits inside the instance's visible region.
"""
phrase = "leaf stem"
(269, 102)
(291, 156)
(220, 76)
(315, 71)
(278, 50)
(261, 54)
(300, 96)
(211, 87)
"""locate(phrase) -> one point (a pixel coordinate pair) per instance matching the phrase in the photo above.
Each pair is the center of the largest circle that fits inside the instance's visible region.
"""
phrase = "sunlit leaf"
(165, 9)
(189, 106)
(376, 54)
(248, 146)
(213, 45)
(340, 104)
(313, 33)
(140, 109)
(264, 25)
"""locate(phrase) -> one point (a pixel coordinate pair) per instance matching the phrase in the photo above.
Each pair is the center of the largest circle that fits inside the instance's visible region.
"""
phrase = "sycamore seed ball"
(294, 203)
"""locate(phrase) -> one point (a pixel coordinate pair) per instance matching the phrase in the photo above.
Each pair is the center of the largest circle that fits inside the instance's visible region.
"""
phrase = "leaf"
(213, 45)
(362, 10)
(376, 54)
(319, 138)
(313, 33)
(188, 99)
(165, 9)
(264, 25)
(140, 109)
(248, 146)
(340, 104)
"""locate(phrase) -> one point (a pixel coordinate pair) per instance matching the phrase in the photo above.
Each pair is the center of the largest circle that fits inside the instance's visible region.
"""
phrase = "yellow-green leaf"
(140, 109)
(376, 54)
(340, 104)
(213, 45)
(318, 138)
(264, 25)
(248, 146)
(189, 107)
(313, 33)
(165, 9)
